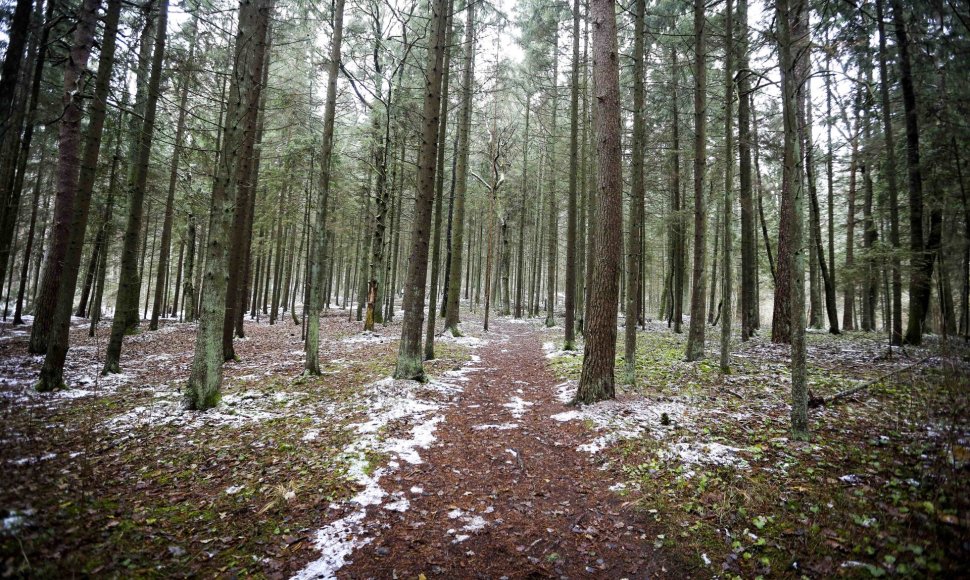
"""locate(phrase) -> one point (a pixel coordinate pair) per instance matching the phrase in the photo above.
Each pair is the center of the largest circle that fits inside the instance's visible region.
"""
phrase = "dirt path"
(504, 492)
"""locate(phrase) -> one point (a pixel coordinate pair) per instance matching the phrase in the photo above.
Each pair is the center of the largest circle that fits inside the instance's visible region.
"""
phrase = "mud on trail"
(504, 492)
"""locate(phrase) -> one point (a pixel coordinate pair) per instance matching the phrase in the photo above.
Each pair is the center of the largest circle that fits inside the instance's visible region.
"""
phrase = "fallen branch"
(814, 401)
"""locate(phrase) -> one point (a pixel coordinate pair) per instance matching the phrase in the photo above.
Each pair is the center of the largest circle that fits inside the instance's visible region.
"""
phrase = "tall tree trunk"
(14, 145)
(552, 249)
(749, 255)
(28, 248)
(848, 314)
(792, 47)
(318, 238)
(726, 275)
(695, 336)
(409, 360)
(678, 262)
(637, 190)
(439, 187)
(129, 280)
(818, 249)
(923, 258)
(896, 326)
(247, 183)
(597, 379)
(76, 175)
(205, 380)
(68, 167)
(570, 297)
(520, 272)
(163, 257)
(452, 316)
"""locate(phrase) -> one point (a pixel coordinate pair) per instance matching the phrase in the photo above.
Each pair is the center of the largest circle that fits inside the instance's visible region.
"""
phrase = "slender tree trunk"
(105, 233)
(315, 265)
(818, 250)
(81, 170)
(695, 336)
(409, 360)
(726, 275)
(923, 255)
(637, 189)
(520, 272)
(452, 315)
(792, 46)
(205, 381)
(679, 219)
(129, 279)
(597, 379)
(439, 187)
(749, 255)
(28, 248)
(163, 258)
(15, 147)
(570, 295)
(889, 171)
(68, 167)
(552, 252)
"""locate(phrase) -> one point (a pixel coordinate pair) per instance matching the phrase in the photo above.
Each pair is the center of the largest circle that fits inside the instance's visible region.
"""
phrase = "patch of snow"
(310, 435)
(32, 460)
(400, 505)
(499, 427)
(566, 391)
(620, 419)
(233, 489)
(517, 406)
(474, 524)
(553, 352)
(366, 337)
(465, 340)
(567, 416)
(15, 520)
(712, 453)
(385, 401)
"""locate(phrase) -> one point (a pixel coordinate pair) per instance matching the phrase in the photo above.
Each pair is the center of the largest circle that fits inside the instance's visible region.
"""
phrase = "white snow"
(553, 352)
(710, 453)
(366, 337)
(517, 406)
(15, 520)
(499, 427)
(233, 489)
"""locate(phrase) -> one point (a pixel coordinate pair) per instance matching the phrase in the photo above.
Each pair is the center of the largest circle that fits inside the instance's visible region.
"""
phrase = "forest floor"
(484, 471)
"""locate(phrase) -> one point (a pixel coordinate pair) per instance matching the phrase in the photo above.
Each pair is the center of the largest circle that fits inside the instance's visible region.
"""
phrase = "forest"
(484, 288)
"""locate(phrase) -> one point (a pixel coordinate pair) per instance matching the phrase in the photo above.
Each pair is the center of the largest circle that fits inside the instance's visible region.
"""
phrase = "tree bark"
(726, 275)
(318, 238)
(695, 336)
(637, 189)
(439, 187)
(896, 327)
(76, 175)
(922, 251)
(205, 380)
(452, 316)
(597, 381)
(792, 46)
(409, 360)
